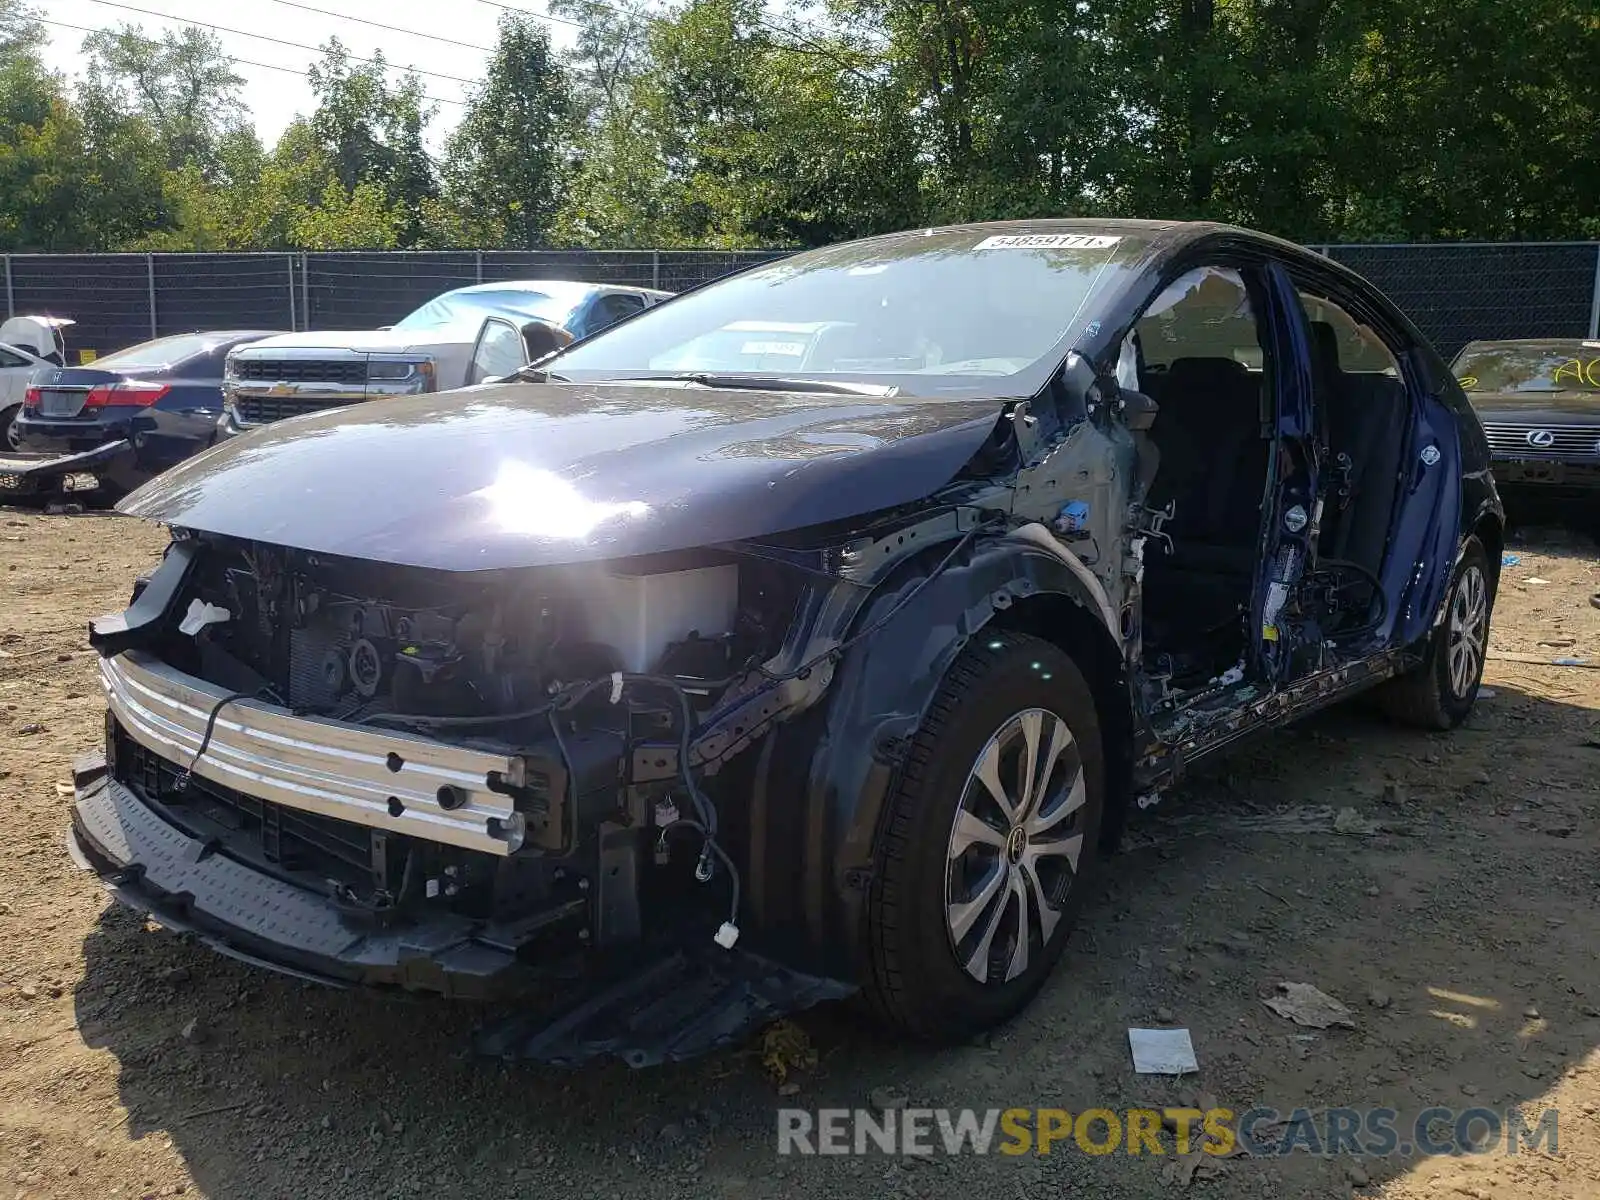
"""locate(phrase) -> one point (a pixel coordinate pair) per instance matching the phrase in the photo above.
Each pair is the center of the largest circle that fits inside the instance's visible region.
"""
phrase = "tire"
(918, 978)
(1432, 696)
(10, 443)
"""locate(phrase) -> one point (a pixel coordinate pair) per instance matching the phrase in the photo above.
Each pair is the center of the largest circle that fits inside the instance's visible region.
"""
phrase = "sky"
(274, 97)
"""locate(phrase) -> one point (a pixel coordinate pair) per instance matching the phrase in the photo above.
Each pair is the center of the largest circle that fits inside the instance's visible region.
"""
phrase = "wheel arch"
(821, 782)
(1067, 623)
(1490, 530)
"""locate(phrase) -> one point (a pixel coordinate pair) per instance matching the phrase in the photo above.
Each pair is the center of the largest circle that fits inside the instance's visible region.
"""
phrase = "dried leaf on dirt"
(784, 1048)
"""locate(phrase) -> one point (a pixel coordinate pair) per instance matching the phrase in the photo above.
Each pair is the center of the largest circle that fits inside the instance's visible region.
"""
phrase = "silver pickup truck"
(460, 338)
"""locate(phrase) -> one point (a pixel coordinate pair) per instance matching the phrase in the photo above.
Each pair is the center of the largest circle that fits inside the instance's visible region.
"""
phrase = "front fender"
(822, 780)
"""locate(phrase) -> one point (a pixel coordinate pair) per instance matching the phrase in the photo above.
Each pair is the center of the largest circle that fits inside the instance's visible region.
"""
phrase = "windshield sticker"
(1050, 241)
(794, 349)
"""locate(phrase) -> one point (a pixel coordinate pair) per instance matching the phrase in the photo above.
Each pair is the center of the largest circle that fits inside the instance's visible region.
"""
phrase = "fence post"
(11, 303)
(288, 261)
(655, 269)
(479, 257)
(1594, 305)
(305, 291)
(150, 283)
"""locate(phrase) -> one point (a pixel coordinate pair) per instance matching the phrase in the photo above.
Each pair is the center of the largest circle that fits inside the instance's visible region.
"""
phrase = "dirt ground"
(1454, 911)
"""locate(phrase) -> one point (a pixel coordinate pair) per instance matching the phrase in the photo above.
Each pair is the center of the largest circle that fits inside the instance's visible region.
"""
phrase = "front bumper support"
(670, 1006)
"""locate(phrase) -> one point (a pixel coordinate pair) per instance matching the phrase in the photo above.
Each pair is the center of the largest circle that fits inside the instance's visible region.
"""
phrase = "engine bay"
(579, 673)
(356, 641)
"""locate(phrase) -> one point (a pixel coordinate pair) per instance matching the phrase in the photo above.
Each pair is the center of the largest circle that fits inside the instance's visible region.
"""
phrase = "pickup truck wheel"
(987, 842)
(1440, 692)
(10, 441)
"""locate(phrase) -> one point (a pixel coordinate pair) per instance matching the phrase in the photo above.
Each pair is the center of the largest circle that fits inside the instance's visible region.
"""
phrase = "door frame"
(1287, 410)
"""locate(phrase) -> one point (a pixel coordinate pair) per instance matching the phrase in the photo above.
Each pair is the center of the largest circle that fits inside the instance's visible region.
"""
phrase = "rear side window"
(1360, 351)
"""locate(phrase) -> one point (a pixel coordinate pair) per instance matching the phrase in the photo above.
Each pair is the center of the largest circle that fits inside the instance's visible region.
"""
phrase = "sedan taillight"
(30, 398)
(129, 392)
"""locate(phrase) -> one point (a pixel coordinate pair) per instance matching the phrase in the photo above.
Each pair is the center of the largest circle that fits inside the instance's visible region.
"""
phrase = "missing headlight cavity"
(363, 641)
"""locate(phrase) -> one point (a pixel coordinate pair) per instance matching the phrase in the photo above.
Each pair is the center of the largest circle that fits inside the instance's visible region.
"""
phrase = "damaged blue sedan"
(810, 633)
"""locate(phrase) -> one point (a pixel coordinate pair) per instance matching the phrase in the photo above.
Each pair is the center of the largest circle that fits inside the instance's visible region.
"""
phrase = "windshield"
(950, 312)
(471, 307)
(161, 352)
(1573, 367)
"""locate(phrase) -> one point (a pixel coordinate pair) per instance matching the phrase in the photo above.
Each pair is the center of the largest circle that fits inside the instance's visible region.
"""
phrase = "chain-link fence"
(1454, 292)
(1459, 292)
(119, 299)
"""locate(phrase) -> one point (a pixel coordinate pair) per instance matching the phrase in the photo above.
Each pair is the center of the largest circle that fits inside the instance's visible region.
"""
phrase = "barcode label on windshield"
(1050, 241)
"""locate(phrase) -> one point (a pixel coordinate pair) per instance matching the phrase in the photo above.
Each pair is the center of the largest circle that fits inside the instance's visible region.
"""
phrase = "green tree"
(507, 163)
(181, 85)
(371, 131)
(739, 132)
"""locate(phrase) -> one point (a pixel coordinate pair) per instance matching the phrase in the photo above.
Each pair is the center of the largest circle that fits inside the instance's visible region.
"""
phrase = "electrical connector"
(727, 935)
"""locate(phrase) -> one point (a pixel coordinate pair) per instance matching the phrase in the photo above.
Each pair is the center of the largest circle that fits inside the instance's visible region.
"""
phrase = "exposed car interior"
(1362, 410)
(1362, 401)
(1200, 359)
(1197, 354)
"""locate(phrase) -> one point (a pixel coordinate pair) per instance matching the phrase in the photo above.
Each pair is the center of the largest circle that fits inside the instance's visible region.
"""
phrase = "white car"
(463, 337)
(26, 344)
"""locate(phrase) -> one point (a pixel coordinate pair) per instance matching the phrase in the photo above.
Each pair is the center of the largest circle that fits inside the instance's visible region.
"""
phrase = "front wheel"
(988, 839)
(1440, 692)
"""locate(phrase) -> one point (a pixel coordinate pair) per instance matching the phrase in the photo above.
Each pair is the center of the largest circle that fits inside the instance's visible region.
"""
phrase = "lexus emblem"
(1541, 438)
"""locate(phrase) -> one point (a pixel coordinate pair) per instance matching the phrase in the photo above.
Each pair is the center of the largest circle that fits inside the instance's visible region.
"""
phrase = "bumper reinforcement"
(384, 779)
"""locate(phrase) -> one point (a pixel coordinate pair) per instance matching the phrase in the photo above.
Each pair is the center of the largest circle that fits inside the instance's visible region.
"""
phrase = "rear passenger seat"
(1213, 463)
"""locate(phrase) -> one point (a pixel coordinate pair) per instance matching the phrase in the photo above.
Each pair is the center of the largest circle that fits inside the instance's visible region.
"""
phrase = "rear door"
(1390, 505)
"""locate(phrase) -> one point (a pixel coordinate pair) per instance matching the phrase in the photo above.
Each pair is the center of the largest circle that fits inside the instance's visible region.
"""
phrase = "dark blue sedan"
(161, 397)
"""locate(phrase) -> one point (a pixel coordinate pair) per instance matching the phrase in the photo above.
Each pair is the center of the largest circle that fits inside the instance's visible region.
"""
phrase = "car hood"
(388, 341)
(1557, 407)
(521, 475)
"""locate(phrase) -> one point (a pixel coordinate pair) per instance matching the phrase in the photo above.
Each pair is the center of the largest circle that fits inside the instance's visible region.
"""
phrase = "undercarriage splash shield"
(685, 1005)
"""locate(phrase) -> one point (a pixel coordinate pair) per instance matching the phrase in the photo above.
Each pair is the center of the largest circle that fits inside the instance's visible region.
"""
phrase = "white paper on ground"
(1162, 1051)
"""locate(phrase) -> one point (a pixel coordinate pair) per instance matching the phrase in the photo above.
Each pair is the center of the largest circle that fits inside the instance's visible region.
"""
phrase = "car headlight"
(396, 370)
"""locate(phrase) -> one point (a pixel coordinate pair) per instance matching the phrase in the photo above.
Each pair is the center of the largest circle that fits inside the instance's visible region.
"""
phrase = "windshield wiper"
(532, 373)
(763, 383)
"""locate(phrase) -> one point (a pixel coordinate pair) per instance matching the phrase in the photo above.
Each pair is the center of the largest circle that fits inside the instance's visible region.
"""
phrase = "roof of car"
(558, 289)
(1144, 236)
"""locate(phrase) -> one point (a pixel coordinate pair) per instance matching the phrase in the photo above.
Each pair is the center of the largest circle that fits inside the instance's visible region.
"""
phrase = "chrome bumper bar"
(382, 779)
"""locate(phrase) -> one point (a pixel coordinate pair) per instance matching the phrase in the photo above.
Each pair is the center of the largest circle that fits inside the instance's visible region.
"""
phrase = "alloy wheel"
(1469, 618)
(1014, 846)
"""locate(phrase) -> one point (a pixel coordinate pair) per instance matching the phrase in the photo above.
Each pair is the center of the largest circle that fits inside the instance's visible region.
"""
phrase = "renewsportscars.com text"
(1375, 1132)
